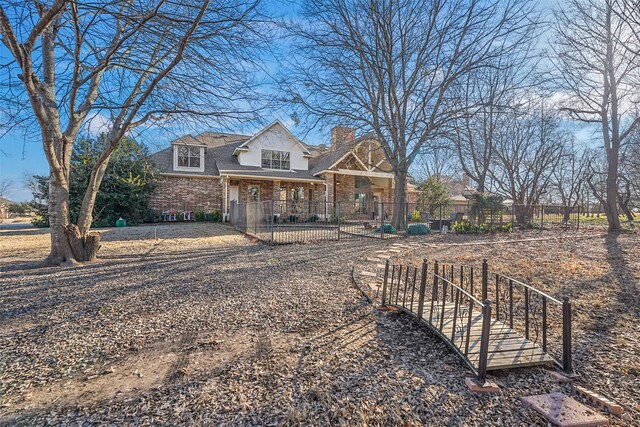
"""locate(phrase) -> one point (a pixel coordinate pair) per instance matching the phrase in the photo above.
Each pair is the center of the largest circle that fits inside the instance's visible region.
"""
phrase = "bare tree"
(389, 67)
(131, 63)
(527, 151)
(5, 187)
(437, 160)
(488, 97)
(597, 57)
(629, 176)
(570, 175)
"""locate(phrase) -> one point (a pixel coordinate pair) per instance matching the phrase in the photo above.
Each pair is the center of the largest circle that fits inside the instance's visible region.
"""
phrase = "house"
(207, 172)
(5, 204)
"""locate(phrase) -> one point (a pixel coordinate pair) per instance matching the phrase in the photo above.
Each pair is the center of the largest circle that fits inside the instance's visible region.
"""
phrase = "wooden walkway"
(506, 348)
(444, 298)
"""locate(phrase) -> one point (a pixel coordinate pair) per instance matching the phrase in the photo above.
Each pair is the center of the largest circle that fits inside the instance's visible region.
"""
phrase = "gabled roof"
(329, 159)
(187, 140)
(245, 145)
(4, 201)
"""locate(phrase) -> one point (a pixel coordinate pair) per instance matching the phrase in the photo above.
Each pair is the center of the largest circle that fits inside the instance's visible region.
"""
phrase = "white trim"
(277, 122)
(365, 173)
(380, 162)
(186, 175)
(272, 178)
(184, 168)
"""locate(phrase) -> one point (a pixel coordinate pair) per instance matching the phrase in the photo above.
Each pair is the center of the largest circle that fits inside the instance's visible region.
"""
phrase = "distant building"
(4, 207)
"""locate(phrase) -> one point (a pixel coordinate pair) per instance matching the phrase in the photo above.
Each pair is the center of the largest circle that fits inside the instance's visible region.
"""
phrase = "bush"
(387, 228)
(416, 216)
(216, 216)
(125, 191)
(418, 230)
(468, 228)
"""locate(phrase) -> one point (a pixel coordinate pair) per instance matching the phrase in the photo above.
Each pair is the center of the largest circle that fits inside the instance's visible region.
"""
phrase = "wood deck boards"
(507, 347)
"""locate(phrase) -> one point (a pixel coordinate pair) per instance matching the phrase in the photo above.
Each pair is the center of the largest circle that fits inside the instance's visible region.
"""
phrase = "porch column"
(275, 193)
(226, 197)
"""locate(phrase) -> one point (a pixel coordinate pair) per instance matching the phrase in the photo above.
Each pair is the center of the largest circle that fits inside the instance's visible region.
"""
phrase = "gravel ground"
(203, 326)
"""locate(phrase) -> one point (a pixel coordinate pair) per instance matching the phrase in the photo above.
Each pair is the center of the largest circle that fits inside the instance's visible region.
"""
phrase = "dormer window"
(272, 159)
(188, 158)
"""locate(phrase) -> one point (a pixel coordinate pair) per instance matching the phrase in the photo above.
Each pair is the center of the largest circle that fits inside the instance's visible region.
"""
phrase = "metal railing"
(536, 308)
(454, 311)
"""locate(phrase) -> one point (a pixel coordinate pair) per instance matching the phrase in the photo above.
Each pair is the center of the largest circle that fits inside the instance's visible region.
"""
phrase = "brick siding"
(187, 194)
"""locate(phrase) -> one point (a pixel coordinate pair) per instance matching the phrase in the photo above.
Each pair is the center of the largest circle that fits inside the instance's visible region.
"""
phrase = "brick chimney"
(341, 135)
(465, 180)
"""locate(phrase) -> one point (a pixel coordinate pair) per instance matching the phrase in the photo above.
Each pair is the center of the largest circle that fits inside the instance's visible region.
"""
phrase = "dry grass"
(203, 326)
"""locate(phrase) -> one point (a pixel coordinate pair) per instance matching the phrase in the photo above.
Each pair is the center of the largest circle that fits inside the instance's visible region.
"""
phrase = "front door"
(233, 193)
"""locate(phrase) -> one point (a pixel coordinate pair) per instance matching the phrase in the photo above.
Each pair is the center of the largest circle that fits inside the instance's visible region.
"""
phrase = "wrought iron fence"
(293, 221)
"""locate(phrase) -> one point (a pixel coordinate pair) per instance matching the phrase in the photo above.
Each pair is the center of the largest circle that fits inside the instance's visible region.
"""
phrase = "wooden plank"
(502, 346)
(507, 347)
(512, 359)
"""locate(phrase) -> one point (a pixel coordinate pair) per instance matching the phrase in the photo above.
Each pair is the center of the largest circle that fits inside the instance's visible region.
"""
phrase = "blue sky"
(21, 153)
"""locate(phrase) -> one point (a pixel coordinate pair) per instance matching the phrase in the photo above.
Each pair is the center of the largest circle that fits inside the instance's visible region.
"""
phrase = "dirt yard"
(194, 323)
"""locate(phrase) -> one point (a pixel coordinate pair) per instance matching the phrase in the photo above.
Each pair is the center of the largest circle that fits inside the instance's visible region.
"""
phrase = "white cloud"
(96, 124)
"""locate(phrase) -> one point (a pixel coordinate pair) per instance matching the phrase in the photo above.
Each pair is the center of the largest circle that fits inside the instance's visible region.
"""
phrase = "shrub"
(416, 216)
(418, 230)
(387, 229)
(201, 216)
(216, 216)
(468, 228)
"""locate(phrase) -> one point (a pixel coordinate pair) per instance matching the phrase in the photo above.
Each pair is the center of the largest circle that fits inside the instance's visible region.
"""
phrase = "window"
(361, 203)
(297, 196)
(188, 157)
(362, 182)
(254, 193)
(272, 159)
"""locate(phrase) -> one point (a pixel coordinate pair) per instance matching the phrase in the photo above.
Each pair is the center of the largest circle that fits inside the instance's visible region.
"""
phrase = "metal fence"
(293, 221)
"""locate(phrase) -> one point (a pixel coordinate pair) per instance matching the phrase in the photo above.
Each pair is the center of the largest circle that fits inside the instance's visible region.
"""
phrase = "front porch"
(289, 196)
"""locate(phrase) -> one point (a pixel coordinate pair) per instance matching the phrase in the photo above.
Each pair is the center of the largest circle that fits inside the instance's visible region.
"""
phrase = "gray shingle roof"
(219, 157)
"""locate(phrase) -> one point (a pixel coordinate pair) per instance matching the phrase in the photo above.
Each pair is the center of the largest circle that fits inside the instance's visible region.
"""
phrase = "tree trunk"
(611, 204)
(399, 219)
(68, 245)
(61, 252)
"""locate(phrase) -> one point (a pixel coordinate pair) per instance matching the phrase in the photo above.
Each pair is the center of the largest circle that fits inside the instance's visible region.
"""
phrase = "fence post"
(541, 216)
(434, 290)
(485, 278)
(382, 222)
(423, 285)
(384, 286)
(484, 342)
(406, 215)
(513, 216)
(578, 226)
(272, 221)
(338, 210)
(566, 336)
(326, 220)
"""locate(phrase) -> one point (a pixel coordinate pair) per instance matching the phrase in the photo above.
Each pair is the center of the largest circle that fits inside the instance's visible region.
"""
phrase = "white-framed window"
(273, 159)
(253, 193)
(186, 158)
